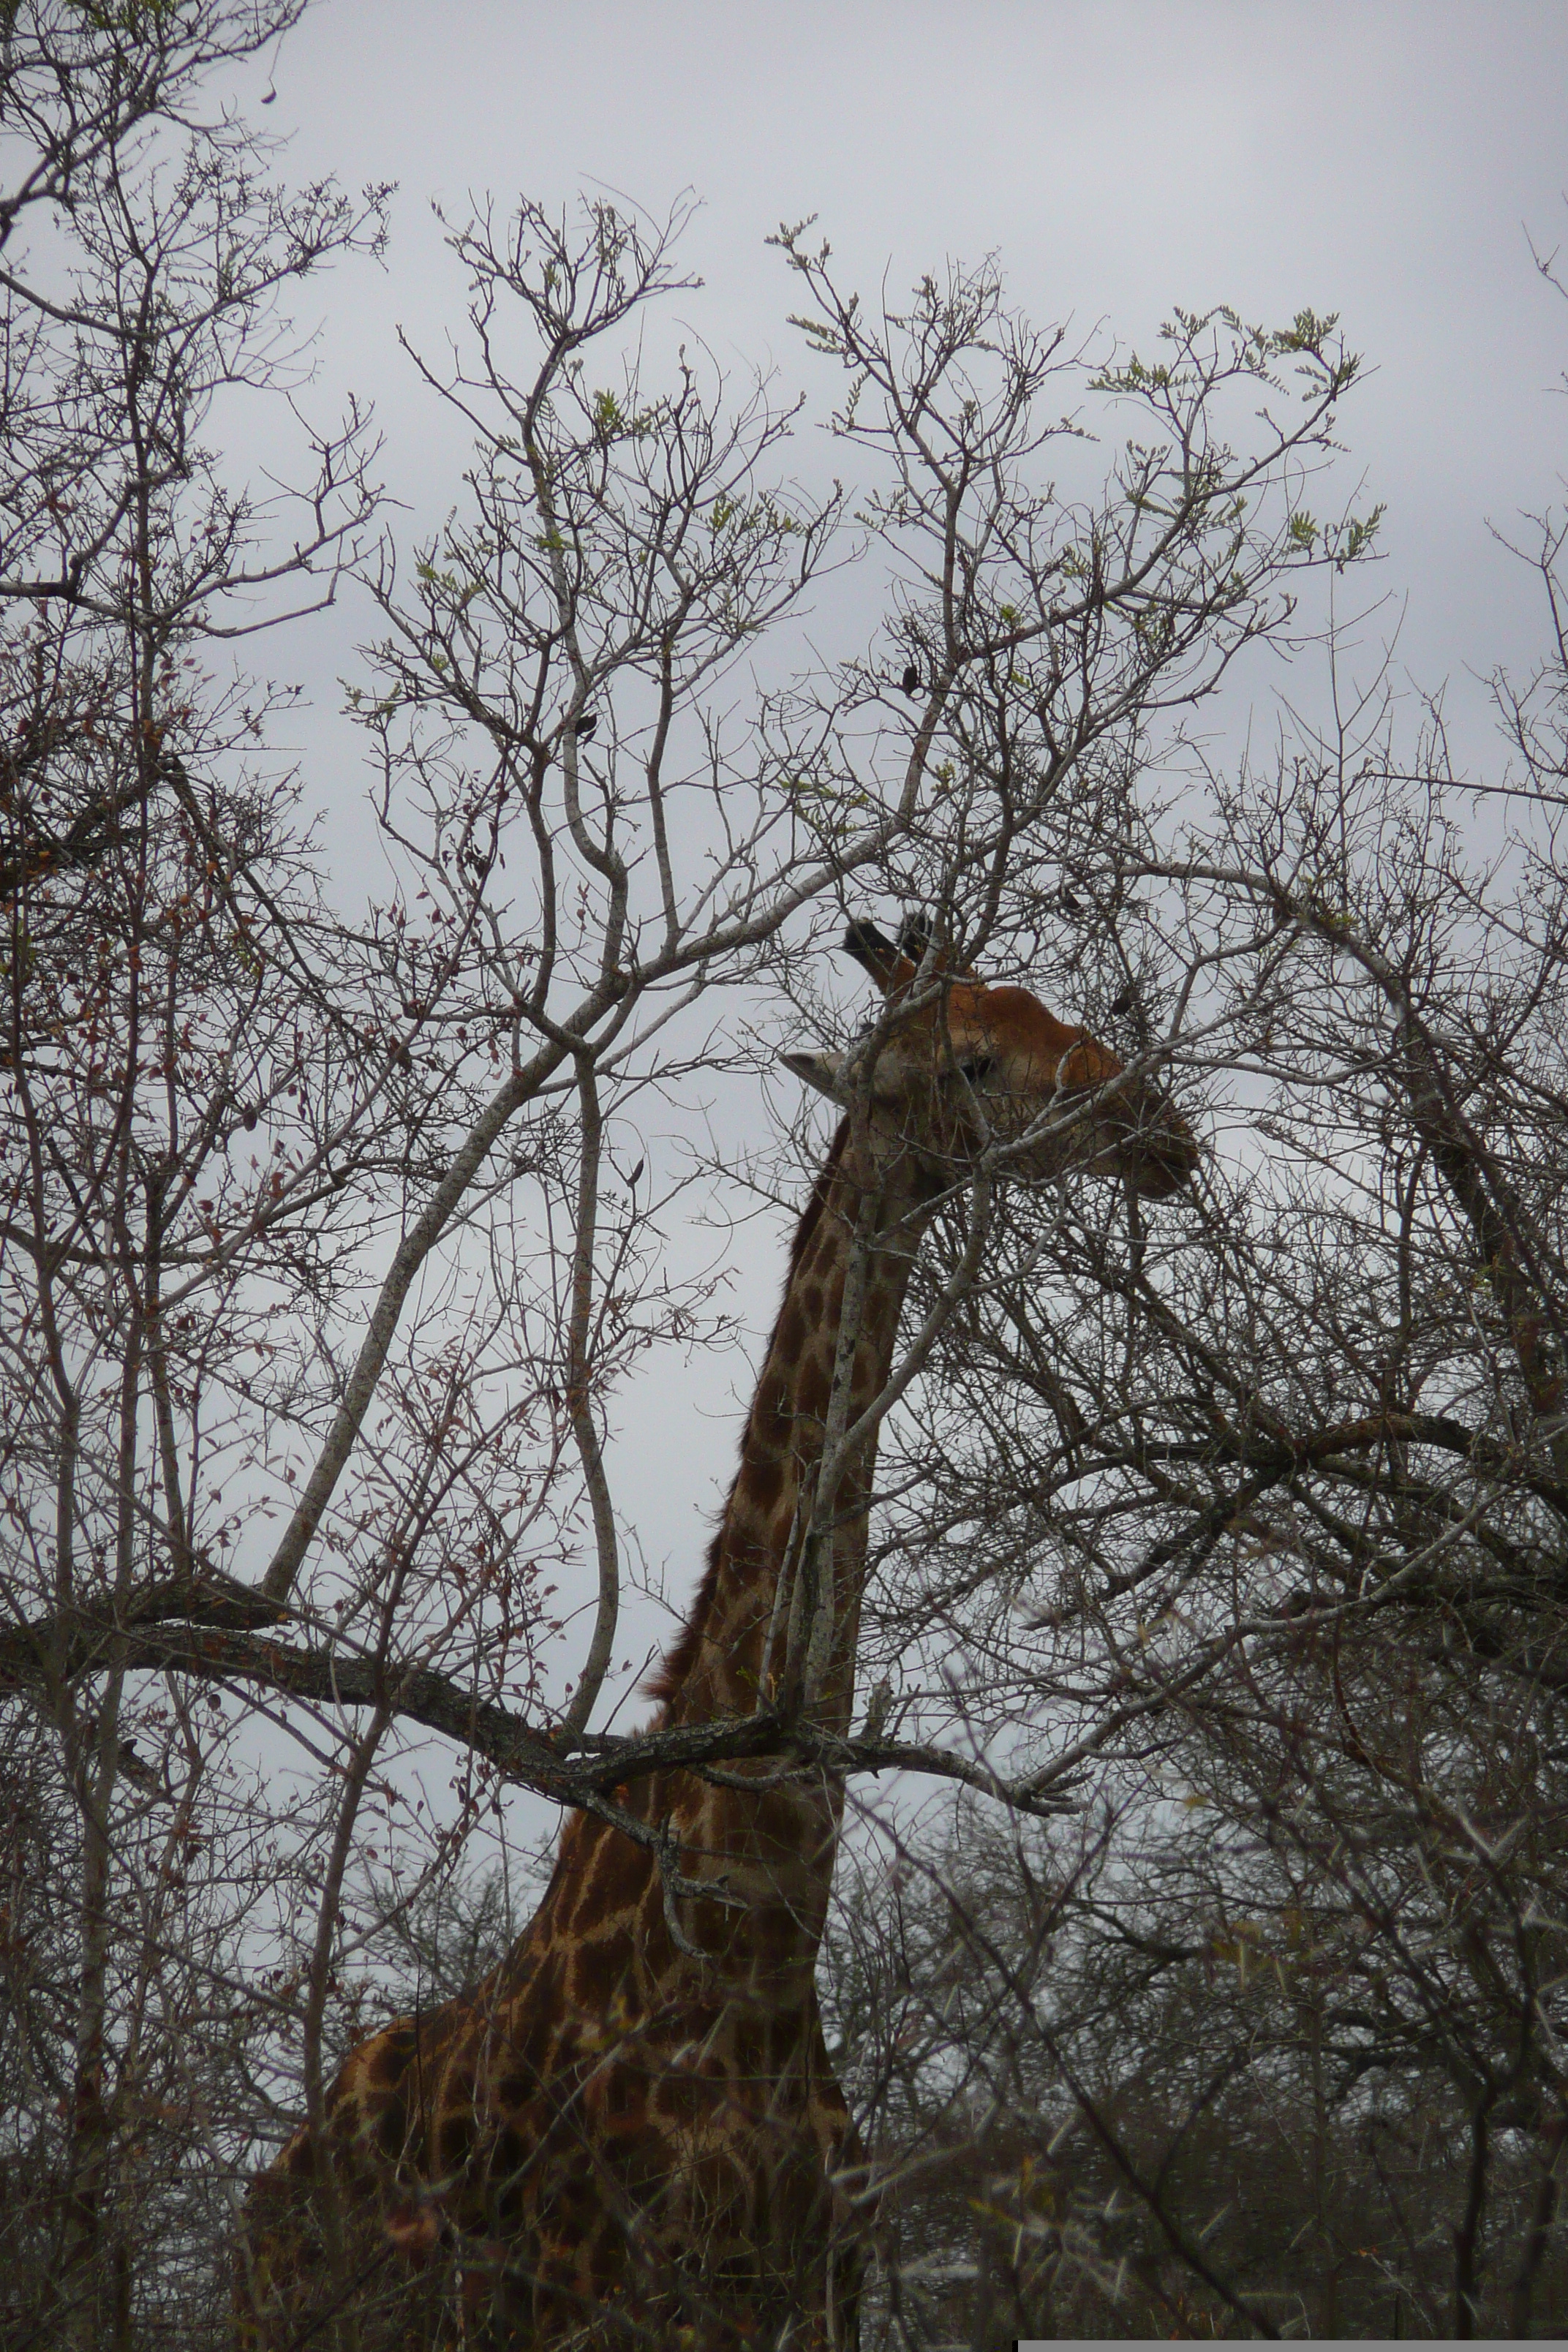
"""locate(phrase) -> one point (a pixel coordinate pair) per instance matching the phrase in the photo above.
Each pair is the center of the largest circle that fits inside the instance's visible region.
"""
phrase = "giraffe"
(630, 2133)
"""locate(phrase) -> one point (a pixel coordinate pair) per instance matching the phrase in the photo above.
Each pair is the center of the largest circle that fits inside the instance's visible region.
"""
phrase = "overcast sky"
(1383, 161)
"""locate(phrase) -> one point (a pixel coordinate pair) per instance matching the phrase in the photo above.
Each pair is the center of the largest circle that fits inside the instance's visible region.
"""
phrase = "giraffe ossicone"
(629, 2133)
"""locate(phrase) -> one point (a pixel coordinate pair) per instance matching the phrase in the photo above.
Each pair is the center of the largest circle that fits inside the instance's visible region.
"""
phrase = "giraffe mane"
(679, 1660)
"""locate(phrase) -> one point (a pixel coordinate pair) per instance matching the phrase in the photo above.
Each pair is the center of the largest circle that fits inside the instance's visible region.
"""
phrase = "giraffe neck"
(776, 1619)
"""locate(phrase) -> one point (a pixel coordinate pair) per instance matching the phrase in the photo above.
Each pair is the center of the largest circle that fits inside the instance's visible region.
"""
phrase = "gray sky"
(1384, 161)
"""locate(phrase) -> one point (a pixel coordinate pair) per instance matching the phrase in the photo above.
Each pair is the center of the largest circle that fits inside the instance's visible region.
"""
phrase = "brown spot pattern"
(608, 2125)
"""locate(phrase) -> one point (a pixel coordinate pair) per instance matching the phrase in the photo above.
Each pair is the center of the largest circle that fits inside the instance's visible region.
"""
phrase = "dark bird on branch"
(910, 680)
(1125, 998)
(586, 725)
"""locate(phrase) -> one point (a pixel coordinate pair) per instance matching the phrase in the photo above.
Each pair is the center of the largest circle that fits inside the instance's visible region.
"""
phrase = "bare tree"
(153, 1014)
(1251, 1528)
(328, 1230)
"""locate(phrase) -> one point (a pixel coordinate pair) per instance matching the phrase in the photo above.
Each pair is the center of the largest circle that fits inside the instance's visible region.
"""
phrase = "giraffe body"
(630, 2132)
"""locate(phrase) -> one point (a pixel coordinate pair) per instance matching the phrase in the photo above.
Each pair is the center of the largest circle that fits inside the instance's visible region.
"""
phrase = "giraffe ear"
(823, 1071)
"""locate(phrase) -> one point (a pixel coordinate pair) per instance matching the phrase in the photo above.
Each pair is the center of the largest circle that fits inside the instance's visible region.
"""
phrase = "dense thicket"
(334, 1216)
(1251, 1526)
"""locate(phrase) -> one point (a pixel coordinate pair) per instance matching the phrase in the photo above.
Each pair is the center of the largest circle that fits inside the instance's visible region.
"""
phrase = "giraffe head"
(954, 1065)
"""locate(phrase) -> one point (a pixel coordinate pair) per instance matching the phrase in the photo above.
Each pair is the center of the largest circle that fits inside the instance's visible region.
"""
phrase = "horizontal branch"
(210, 1631)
